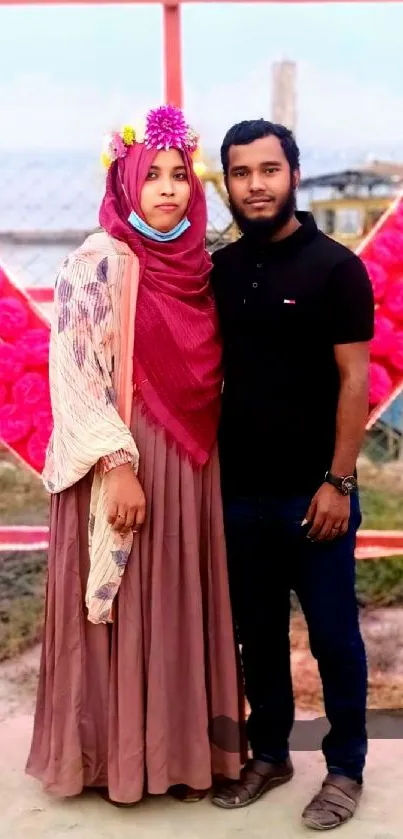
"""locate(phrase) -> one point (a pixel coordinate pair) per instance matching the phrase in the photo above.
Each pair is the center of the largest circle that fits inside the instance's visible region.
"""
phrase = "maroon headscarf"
(177, 354)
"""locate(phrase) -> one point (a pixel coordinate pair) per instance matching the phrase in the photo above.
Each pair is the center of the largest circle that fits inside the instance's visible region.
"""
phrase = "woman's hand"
(126, 501)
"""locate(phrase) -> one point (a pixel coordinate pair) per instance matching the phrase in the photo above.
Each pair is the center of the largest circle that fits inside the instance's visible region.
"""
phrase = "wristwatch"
(345, 485)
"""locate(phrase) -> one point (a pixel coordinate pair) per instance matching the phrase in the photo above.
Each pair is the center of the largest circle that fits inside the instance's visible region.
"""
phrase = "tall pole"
(173, 53)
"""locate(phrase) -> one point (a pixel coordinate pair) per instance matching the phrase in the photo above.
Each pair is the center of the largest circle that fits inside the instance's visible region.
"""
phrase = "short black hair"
(248, 131)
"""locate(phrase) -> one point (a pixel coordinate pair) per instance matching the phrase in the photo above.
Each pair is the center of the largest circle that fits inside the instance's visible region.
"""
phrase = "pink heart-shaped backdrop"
(382, 253)
(25, 410)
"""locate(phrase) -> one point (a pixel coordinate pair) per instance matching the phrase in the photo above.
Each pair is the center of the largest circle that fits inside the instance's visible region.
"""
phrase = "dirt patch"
(18, 683)
(382, 631)
(23, 498)
(22, 587)
(383, 635)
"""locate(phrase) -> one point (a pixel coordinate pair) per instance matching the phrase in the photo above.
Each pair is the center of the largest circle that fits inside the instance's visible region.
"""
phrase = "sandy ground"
(26, 811)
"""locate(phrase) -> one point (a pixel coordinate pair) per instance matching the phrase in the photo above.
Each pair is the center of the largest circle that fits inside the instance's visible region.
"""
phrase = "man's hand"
(125, 498)
(328, 514)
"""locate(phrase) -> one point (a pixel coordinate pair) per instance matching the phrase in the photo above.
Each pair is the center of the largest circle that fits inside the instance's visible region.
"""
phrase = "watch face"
(349, 485)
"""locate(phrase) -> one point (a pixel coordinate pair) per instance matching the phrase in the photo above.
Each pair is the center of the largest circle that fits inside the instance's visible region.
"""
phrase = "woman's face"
(166, 191)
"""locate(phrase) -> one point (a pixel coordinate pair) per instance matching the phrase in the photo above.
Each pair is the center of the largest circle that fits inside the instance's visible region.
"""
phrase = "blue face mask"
(148, 231)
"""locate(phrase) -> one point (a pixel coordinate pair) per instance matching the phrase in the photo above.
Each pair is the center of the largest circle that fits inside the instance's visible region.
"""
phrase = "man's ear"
(296, 178)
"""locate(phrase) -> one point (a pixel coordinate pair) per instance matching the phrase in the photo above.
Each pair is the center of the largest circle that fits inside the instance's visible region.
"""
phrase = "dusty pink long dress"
(152, 700)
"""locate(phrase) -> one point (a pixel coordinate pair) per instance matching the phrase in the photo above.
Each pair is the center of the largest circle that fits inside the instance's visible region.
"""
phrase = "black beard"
(265, 228)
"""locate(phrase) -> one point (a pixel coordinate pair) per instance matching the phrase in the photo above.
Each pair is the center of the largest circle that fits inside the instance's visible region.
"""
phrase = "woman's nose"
(167, 187)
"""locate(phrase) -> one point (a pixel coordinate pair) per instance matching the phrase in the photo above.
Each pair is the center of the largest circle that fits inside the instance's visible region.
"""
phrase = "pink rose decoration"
(382, 343)
(396, 354)
(43, 423)
(378, 279)
(31, 390)
(398, 217)
(11, 362)
(34, 347)
(3, 393)
(14, 424)
(387, 249)
(36, 449)
(380, 384)
(13, 318)
(394, 300)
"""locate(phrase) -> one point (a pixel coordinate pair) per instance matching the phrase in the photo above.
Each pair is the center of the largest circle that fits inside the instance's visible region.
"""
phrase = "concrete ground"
(26, 813)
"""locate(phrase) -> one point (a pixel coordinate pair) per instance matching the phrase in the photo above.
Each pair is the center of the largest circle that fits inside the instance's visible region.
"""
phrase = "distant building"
(284, 94)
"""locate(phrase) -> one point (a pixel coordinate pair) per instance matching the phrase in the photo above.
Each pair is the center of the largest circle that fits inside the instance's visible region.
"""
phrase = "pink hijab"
(177, 356)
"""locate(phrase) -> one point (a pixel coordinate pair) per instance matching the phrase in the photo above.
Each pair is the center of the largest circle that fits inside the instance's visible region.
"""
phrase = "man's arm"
(351, 321)
(330, 511)
(352, 410)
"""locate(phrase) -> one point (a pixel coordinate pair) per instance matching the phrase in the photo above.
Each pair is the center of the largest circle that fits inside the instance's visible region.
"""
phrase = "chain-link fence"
(49, 203)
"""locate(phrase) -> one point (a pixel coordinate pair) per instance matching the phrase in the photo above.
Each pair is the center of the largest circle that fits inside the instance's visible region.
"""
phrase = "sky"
(69, 74)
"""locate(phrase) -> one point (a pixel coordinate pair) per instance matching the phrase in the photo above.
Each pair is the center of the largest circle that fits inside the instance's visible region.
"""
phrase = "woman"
(138, 688)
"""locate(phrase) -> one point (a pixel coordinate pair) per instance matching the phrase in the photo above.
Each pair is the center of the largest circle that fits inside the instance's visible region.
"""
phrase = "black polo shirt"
(283, 306)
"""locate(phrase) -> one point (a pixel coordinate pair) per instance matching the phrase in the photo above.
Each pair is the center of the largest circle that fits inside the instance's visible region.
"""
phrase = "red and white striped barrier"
(371, 544)
(377, 544)
(24, 538)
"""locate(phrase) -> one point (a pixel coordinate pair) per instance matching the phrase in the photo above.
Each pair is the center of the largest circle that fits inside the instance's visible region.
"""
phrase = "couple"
(140, 687)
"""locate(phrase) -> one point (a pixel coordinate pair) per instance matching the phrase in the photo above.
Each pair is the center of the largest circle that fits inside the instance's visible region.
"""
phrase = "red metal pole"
(173, 53)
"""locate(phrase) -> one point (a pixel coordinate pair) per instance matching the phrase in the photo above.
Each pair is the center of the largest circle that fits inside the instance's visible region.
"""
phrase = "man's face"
(260, 185)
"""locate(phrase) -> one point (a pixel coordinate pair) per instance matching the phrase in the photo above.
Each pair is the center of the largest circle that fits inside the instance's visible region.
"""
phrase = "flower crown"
(165, 128)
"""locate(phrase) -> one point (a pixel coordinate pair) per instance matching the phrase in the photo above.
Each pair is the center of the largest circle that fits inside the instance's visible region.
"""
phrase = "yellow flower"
(128, 135)
(105, 160)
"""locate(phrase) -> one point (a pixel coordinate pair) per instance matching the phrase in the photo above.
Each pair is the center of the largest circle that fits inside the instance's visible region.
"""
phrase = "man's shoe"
(334, 804)
(257, 777)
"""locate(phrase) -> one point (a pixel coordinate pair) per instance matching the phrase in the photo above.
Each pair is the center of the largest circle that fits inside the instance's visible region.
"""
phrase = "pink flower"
(380, 384)
(387, 249)
(192, 140)
(394, 300)
(166, 128)
(43, 422)
(396, 355)
(378, 279)
(3, 279)
(3, 394)
(15, 424)
(13, 318)
(382, 343)
(34, 347)
(11, 362)
(36, 450)
(398, 217)
(31, 390)
(118, 145)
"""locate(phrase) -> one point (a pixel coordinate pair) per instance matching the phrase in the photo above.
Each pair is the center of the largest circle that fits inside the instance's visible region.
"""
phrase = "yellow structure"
(358, 198)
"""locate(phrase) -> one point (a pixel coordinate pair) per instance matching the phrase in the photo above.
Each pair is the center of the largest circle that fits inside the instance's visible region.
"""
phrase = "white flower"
(107, 146)
(140, 128)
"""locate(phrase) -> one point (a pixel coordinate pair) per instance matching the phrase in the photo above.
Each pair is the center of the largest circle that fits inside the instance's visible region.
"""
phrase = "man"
(297, 312)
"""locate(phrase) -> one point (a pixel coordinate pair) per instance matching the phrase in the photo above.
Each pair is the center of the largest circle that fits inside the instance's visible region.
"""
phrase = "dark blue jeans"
(268, 556)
